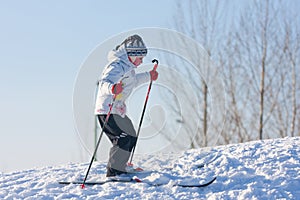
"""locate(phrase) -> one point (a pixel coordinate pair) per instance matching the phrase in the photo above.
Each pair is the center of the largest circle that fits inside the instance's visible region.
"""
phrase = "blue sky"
(43, 44)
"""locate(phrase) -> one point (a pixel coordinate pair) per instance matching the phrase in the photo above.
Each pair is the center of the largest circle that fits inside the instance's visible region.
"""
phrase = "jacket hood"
(119, 54)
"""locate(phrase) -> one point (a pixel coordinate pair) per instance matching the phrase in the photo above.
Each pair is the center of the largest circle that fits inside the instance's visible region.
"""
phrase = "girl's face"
(136, 60)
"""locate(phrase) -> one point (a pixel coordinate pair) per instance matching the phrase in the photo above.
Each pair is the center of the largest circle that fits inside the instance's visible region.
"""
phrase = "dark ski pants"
(122, 135)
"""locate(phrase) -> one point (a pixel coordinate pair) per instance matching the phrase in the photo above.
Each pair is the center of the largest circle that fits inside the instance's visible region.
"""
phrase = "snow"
(268, 169)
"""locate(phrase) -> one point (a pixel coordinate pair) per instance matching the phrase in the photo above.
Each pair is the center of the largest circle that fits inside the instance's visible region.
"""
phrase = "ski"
(136, 180)
(95, 182)
(198, 185)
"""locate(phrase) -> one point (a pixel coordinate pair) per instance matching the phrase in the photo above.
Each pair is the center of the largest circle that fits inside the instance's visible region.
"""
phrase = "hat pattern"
(135, 46)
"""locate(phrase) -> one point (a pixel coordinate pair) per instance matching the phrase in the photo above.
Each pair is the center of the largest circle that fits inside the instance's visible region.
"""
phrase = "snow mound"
(268, 169)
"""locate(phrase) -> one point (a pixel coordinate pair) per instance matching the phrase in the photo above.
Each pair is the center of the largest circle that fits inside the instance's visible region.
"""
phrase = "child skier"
(118, 81)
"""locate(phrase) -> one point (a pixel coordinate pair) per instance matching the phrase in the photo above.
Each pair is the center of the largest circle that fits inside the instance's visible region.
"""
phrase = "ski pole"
(101, 134)
(145, 104)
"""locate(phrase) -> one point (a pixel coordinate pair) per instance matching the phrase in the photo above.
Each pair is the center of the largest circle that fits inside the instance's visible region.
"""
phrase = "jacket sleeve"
(142, 78)
(111, 75)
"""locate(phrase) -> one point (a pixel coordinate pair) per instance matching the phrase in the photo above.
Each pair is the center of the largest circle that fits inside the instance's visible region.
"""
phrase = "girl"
(119, 79)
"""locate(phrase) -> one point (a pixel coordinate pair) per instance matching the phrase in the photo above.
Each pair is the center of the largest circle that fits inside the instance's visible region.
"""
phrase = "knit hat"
(135, 46)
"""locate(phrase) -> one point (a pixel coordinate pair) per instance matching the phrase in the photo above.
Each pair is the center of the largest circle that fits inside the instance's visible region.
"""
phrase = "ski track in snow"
(268, 169)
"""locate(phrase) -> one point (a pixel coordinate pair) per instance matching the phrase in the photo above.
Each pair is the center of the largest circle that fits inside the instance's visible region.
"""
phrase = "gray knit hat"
(135, 46)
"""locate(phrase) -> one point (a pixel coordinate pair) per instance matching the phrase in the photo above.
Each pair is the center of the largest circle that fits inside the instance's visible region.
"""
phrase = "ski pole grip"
(155, 65)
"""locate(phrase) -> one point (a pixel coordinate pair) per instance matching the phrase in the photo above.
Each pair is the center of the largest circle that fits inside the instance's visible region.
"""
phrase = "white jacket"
(118, 69)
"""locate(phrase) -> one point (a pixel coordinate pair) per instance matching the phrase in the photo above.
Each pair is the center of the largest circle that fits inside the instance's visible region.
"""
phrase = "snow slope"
(268, 169)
